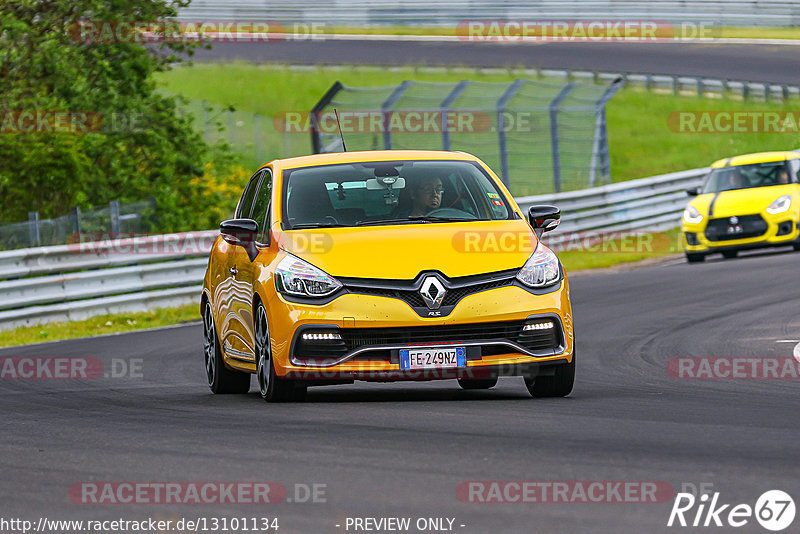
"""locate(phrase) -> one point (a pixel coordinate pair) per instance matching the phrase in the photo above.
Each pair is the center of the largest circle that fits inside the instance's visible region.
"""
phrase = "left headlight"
(541, 269)
(780, 204)
(299, 278)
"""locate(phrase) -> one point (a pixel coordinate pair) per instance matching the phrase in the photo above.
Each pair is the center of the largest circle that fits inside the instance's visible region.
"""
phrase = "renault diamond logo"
(432, 292)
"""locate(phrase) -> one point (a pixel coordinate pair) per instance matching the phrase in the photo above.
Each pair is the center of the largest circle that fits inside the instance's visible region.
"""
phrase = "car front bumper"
(780, 230)
(378, 319)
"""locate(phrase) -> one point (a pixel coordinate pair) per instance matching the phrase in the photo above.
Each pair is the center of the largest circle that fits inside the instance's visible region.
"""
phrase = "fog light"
(538, 326)
(691, 239)
(322, 336)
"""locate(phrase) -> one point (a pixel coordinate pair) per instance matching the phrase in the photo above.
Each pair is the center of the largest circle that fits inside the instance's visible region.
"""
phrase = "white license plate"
(433, 358)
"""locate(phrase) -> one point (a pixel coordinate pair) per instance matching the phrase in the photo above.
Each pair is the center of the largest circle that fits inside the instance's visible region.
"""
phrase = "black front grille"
(408, 290)
(748, 225)
(354, 338)
(414, 299)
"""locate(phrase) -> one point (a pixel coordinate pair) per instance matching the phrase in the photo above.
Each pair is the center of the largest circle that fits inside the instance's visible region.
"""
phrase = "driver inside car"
(426, 196)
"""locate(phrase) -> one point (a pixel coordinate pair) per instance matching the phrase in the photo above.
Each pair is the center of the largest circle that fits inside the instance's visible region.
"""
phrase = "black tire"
(477, 383)
(796, 245)
(729, 254)
(559, 384)
(221, 380)
(693, 257)
(271, 387)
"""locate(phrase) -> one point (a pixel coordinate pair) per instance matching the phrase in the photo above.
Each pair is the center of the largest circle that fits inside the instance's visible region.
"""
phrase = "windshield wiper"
(385, 221)
(300, 226)
(434, 218)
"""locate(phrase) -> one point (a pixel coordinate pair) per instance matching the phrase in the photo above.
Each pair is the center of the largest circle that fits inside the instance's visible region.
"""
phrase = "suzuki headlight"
(541, 269)
(691, 215)
(294, 276)
(780, 204)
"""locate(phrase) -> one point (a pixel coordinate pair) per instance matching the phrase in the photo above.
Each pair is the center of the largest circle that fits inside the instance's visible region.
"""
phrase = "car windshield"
(390, 192)
(747, 176)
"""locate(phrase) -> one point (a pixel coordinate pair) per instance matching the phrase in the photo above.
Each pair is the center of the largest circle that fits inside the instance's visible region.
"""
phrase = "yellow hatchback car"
(384, 266)
(745, 202)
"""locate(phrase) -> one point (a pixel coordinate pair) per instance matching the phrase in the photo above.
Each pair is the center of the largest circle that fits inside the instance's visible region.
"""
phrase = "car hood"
(741, 201)
(401, 252)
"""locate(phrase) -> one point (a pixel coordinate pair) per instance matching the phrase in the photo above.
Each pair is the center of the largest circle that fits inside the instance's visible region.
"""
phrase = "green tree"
(145, 148)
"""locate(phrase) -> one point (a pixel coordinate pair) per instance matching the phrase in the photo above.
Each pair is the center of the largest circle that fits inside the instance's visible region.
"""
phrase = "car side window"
(794, 165)
(261, 206)
(245, 204)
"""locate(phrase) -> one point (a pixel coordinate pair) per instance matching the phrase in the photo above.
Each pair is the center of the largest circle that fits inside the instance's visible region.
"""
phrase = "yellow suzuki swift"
(384, 266)
(745, 202)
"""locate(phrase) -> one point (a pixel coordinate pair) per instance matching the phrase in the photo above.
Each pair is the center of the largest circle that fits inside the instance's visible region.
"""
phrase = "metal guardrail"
(451, 12)
(654, 203)
(73, 282)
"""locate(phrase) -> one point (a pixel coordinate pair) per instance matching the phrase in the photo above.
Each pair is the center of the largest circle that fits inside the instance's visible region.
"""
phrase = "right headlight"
(691, 215)
(294, 276)
(542, 268)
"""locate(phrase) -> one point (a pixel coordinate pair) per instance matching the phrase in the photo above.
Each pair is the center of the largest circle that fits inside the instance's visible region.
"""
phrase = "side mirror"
(242, 233)
(693, 191)
(544, 218)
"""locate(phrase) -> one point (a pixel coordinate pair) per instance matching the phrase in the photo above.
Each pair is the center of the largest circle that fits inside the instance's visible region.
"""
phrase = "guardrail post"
(114, 216)
(33, 229)
(554, 134)
(676, 86)
(699, 86)
(444, 107)
(501, 129)
(75, 219)
(745, 91)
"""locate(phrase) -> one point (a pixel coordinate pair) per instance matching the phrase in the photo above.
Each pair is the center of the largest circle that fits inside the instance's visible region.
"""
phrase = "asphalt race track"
(748, 62)
(402, 449)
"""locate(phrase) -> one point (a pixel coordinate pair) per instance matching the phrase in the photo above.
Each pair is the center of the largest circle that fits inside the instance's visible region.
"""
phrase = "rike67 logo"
(774, 510)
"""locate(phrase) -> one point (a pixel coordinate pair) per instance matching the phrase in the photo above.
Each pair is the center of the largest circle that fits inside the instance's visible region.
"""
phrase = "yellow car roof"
(370, 155)
(758, 157)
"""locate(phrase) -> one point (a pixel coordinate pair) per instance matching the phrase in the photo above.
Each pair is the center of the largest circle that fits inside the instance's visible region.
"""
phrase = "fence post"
(257, 138)
(75, 219)
(554, 134)
(444, 108)
(33, 229)
(313, 116)
(501, 129)
(204, 104)
(386, 107)
(114, 211)
(600, 145)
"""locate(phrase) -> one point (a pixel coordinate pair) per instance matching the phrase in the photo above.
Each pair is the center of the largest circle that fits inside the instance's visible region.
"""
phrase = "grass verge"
(99, 325)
